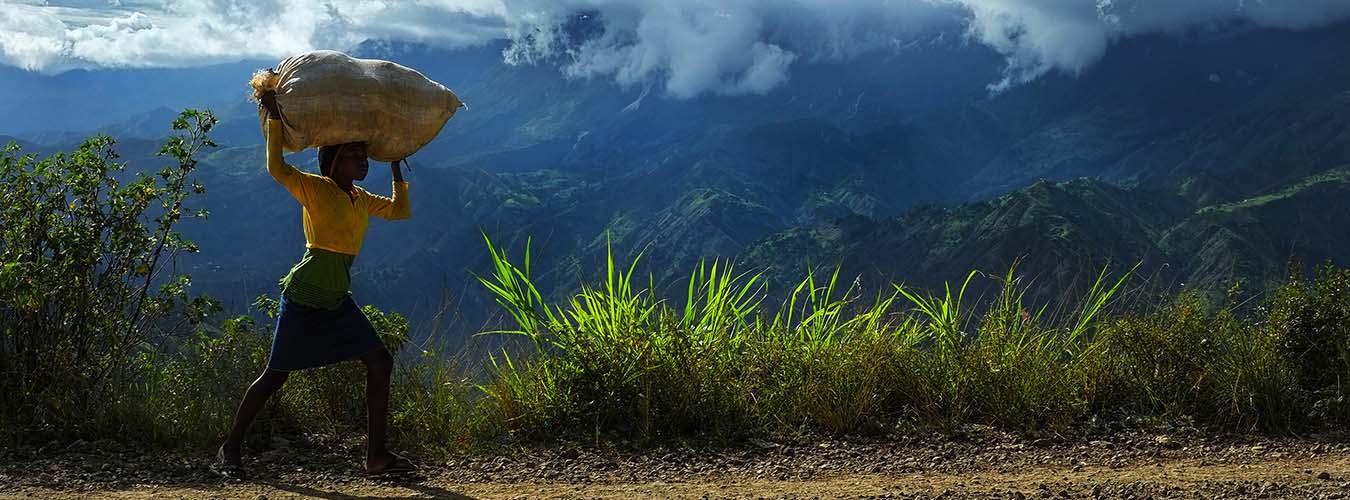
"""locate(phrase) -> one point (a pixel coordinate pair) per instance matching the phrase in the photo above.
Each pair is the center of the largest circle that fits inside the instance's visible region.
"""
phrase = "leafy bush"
(82, 253)
(1188, 359)
(1160, 362)
(190, 396)
(1310, 319)
(432, 407)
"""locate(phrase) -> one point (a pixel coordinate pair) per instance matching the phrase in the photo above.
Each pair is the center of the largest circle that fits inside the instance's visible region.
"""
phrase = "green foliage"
(613, 358)
(82, 273)
(98, 340)
(432, 407)
(1190, 359)
(1309, 320)
(190, 396)
(1158, 362)
(1016, 369)
(1339, 176)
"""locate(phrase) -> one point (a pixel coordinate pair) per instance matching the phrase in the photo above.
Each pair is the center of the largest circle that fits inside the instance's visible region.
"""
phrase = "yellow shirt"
(333, 220)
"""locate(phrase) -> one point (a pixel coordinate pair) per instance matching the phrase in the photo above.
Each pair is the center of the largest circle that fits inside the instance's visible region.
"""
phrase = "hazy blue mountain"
(85, 100)
(1159, 109)
(1207, 156)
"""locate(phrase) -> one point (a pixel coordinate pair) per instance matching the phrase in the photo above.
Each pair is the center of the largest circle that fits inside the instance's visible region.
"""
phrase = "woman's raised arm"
(396, 207)
(289, 177)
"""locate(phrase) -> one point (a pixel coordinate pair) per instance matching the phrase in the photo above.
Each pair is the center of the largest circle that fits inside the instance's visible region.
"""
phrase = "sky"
(686, 47)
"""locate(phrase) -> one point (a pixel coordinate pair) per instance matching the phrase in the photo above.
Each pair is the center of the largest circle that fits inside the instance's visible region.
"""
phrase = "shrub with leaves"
(1310, 319)
(189, 396)
(83, 254)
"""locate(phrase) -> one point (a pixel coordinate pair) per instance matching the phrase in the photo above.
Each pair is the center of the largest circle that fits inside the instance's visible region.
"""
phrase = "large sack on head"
(328, 97)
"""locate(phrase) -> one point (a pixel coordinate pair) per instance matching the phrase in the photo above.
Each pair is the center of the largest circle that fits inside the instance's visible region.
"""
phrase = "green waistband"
(321, 279)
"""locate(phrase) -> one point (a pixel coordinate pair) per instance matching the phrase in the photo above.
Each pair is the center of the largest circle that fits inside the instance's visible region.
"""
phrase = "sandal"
(398, 465)
(226, 470)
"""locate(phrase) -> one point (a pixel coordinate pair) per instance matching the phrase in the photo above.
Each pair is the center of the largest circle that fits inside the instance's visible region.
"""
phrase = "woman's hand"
(268, 101)
(398, 172)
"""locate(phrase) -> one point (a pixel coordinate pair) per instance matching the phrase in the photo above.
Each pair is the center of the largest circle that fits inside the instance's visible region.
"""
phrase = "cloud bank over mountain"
(1037, 36)
(684, 47)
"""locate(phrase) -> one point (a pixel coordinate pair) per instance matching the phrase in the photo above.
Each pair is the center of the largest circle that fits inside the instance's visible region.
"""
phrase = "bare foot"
(229, 462)
(387, 463)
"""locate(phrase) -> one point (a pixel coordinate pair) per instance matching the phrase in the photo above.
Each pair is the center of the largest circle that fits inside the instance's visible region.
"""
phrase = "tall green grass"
(615, 358)
(615, 361)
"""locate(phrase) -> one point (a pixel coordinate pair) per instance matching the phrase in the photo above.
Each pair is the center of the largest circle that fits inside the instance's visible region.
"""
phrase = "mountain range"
(1206, 157)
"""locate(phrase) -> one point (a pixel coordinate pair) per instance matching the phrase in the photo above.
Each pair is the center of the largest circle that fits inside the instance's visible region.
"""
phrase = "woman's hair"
(328, 155)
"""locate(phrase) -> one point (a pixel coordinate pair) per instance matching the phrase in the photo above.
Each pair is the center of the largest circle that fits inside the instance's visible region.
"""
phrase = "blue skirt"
(310, 337)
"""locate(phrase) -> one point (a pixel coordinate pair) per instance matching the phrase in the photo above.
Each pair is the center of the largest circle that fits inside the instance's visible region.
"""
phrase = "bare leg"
(379, 368)
(263, 388)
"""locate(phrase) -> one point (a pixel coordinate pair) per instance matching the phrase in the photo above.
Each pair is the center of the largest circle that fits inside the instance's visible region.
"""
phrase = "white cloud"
(1037, 36)
(51, 38)
(684, 47)
(695, 47)
(30, 37)
(748, 46)
(720, 46)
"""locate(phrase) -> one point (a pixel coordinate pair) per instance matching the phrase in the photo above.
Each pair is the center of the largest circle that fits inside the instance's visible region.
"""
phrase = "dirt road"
(980, 466)
(1170, 479)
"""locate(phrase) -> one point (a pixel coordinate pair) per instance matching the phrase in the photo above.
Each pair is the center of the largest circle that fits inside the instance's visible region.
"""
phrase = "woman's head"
(344, 161)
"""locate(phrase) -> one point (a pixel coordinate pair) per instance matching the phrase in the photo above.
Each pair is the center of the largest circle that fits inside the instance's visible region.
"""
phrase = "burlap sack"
(328, 97)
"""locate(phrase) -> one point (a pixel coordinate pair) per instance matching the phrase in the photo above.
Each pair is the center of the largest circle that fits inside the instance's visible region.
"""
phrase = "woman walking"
(319, 323)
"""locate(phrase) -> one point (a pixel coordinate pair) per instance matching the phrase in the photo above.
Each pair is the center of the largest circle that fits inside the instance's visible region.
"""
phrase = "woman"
(319, 324)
